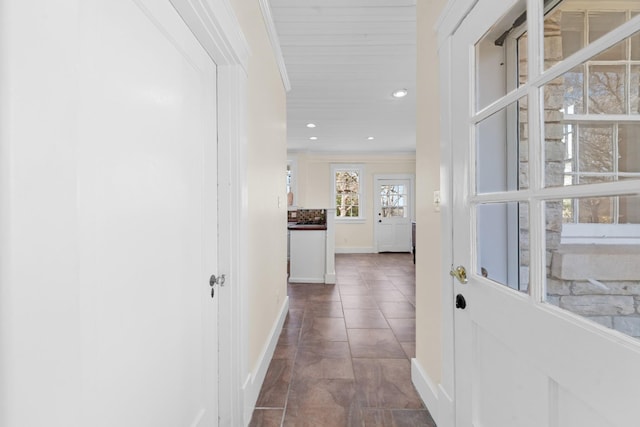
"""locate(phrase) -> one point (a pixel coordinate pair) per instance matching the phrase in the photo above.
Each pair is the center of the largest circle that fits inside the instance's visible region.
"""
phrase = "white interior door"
(393, 207)
(524, 356)
(148, 218)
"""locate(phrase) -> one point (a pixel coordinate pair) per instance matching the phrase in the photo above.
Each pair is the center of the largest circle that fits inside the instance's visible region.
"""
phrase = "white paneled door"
(148, 218)
(393, 212)
(522, 358)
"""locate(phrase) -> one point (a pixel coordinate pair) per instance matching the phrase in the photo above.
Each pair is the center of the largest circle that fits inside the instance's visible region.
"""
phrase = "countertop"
(296, 226)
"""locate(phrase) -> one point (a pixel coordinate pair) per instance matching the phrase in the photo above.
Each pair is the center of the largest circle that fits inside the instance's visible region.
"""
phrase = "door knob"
(459, 273)
(217, 280)
(461, 303)
(213, 281)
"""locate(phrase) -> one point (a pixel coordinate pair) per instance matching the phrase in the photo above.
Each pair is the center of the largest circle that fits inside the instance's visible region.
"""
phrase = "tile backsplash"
(308, 216)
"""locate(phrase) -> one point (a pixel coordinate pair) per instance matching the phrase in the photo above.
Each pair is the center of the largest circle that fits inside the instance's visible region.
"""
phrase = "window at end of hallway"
(348, 191)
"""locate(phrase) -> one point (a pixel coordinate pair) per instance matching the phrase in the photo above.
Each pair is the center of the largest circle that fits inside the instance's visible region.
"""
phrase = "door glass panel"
(635, 42)
(393, 200)
(592, 124)
(634, 90)
(501, 150)
(501, 57)
(607, 89)
(564, 32)
(570, 26)
(502, 245)
(602, 22)
(593, 259)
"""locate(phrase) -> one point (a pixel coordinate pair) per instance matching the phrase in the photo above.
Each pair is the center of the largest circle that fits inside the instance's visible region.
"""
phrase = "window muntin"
(347, 191)
(591, 108)
(393, 201)
(570, 27)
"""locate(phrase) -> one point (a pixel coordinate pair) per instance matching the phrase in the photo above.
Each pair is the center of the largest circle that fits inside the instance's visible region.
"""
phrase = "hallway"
(343, 357)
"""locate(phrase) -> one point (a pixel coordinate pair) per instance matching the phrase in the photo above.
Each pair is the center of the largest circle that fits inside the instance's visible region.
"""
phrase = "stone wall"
(614, 304)
(598, 282)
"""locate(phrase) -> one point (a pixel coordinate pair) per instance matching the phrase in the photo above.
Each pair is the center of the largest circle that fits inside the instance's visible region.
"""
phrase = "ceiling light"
(370, 138)
(400, 93)
(311, 125)
(313, 138)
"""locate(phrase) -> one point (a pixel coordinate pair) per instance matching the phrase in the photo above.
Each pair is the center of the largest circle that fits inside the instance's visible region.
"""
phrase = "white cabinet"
(308, 252)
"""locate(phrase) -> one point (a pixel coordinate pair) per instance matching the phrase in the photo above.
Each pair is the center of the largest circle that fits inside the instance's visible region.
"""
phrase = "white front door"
(393, 213)
(535, 329)
(147, 201)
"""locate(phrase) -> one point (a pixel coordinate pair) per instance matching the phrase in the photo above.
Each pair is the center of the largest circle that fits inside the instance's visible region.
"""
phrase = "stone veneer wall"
(606, 294)
(614, 304)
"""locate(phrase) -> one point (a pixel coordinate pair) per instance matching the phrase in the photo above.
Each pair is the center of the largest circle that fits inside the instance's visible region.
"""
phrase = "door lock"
(213, 281)
(459, 273)
(219, 280)
(461, 303)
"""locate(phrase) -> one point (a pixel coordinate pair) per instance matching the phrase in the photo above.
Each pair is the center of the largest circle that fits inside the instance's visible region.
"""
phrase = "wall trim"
(446, 408)
(369, 250)
(275, 42)
(426, 388)
(452, 16)
(216, 27)
(253, 384)
(293, 279)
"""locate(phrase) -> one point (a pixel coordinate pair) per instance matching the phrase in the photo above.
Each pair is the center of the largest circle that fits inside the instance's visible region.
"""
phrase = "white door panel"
(519, 361)
(147, 210)
(393, 212)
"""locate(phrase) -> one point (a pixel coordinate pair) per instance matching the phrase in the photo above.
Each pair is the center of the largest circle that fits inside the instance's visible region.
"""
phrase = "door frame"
(376, 198)
(452, 16)
(217, 29)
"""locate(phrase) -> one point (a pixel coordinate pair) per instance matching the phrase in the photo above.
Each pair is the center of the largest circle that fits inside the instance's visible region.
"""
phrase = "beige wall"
(314, 189)
(428, 223)
(267, 162)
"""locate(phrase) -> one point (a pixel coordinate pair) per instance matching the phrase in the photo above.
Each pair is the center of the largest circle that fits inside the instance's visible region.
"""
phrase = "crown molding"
(275, 42)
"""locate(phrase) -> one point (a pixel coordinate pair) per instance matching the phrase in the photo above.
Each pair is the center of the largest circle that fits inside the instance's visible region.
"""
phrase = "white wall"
(314, 188)
(266, 252)
(429, 258)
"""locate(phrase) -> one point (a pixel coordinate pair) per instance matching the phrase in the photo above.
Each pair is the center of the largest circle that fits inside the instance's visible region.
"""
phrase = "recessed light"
(313, 138)
(400, 93)
(311, 125)
(370, 138)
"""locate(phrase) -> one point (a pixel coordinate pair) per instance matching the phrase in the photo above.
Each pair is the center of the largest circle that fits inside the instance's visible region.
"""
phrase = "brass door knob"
(459, 273)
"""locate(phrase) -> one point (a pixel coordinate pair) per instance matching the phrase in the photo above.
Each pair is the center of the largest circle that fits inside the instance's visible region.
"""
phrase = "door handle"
(461, 303)
(459, 273)
(213, 281)
(217, 280)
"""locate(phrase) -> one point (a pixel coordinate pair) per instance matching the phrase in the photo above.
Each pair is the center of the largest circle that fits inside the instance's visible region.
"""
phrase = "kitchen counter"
(296, 226)
(311, 246)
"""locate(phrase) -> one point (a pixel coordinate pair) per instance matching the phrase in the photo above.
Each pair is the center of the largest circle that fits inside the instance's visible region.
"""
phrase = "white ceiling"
(344, 58)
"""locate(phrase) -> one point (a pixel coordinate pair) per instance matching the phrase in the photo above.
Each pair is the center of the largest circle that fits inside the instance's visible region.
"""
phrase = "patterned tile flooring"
(343, 357)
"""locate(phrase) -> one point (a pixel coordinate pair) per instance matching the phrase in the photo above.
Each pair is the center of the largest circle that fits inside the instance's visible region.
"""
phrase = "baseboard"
(426, 388)
(293, 279)
(252, 386)
(355, 250)
(330, 279)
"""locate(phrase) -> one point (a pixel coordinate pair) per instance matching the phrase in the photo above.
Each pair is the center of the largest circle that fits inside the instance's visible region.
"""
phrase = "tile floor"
(343, 358)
